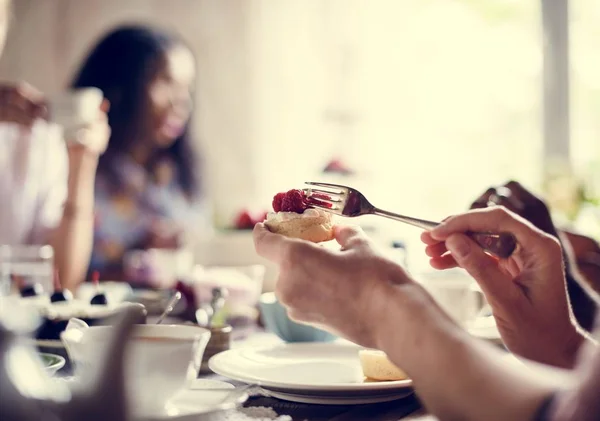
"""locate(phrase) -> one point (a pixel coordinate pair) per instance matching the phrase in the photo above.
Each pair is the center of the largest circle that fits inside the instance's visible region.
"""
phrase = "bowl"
(52, 363)
(276, 320)
(159, 361)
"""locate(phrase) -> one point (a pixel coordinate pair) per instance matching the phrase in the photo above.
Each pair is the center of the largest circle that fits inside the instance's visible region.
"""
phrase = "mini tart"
(311, 225)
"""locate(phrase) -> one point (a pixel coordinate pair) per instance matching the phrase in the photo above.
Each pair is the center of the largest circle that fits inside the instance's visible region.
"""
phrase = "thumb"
(349, 236)
(484, 268)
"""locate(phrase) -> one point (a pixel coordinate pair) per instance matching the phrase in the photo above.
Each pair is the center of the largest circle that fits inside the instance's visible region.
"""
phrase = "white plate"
(325, 373)
(204, 397)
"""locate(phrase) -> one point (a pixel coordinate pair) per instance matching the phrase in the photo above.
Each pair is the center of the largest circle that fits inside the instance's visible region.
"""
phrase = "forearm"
(73, 239)
(456, 376)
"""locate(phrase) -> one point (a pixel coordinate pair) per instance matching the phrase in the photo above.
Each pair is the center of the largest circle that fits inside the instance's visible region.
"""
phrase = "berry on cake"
(294, 217)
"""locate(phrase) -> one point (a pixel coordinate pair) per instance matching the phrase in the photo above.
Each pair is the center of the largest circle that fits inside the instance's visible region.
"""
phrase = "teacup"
(276, 319)
(457, 293)
(75, 108)
(159, 362)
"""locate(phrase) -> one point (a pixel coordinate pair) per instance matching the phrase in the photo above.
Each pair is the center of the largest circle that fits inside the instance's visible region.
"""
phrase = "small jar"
(220, 340)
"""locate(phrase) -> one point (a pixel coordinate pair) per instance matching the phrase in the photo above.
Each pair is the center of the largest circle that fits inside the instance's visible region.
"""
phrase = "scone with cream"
(377, 367)
(292, 217)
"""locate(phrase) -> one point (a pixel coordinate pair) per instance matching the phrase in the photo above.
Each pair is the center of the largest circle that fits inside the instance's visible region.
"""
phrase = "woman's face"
(169, 97)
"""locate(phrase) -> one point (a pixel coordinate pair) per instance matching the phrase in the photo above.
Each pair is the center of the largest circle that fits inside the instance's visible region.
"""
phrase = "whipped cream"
(287, 216)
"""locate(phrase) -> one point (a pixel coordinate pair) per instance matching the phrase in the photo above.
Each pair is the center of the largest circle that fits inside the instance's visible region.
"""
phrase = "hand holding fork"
(346, 201)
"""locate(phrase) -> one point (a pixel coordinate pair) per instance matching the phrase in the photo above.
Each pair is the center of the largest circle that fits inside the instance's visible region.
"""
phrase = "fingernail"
(458, 245)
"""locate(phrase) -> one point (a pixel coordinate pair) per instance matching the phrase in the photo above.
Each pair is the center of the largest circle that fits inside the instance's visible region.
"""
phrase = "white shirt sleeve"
(53, 182)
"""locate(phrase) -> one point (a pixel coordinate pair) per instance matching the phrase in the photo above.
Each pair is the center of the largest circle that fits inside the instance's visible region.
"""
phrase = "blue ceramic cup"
(276, 320)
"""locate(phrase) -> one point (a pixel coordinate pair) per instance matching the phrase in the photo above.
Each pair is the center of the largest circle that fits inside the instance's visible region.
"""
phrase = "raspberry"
(291, 201)
(277, 201)
(244, 221)
(294, 201)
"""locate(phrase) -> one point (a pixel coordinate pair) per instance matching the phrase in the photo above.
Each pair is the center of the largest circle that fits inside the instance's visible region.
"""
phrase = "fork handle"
(501, 245)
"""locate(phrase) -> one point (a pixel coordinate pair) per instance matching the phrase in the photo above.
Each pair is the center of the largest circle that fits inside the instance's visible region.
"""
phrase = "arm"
(72, 239)
(457, 377)
(64, 216)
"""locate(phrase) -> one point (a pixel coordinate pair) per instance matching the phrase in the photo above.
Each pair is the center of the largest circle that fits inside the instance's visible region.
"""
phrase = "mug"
(74, 109)
(276, 320)
(457, 293)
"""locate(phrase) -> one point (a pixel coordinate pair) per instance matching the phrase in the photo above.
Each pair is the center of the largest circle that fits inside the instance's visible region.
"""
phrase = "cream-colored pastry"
(376, 366)
(311, 225)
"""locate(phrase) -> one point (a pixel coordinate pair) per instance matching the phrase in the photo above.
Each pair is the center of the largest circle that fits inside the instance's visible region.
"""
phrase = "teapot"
(30, 394)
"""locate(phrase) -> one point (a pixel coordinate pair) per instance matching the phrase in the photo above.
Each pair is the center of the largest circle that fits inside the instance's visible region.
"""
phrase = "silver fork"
(346, 201)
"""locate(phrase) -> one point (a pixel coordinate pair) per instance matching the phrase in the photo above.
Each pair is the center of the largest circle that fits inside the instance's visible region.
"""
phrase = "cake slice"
(377, 367)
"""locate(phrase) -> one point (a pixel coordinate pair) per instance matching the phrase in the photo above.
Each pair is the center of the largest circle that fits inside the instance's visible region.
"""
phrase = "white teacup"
(160, 360)
(457, 293)
(75, 108)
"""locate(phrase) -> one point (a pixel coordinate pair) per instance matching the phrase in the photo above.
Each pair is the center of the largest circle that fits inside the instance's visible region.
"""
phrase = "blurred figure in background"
(582, 254)
(47, 189)
(148, 189)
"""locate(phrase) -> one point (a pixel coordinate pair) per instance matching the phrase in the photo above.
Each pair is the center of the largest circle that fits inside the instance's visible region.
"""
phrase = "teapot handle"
(77, 324)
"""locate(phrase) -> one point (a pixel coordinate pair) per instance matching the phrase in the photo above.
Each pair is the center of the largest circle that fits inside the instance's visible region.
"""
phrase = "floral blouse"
(130, 202)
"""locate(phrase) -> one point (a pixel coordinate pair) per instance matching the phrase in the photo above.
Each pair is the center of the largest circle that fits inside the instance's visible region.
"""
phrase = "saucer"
(203, 398)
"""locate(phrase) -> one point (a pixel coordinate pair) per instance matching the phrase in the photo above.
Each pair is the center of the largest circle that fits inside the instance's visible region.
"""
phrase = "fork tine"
(328, 185)
(331, 201)
(317, 194)
(333, 209)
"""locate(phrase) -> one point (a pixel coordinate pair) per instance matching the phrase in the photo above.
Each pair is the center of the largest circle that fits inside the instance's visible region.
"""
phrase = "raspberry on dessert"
(277, 201)
(294, 201)
(291, 201)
